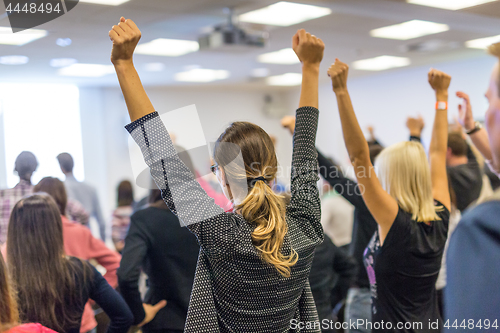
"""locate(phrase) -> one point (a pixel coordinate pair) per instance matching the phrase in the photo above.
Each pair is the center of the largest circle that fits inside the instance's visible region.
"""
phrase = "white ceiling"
(345, 33)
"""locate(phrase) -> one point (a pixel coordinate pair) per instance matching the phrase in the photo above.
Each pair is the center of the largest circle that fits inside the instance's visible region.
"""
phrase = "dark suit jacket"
(167, 253)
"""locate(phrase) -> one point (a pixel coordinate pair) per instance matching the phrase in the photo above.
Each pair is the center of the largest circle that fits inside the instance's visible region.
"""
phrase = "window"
(43, 119)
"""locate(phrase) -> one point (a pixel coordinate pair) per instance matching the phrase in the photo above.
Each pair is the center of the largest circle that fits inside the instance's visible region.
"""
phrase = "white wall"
(386, 99)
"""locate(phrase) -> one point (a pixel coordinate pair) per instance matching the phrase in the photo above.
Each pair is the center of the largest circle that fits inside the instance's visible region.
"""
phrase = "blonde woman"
(411, 204)
(254, 263)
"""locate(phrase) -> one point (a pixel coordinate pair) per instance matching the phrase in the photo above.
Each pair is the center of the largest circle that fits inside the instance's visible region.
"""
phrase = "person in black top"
(167, 253)
(404, 256)
(465, 173)
(52, 288)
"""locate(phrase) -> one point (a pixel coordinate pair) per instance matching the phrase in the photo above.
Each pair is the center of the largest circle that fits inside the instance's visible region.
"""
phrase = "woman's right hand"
(151, 311)
(125, 36)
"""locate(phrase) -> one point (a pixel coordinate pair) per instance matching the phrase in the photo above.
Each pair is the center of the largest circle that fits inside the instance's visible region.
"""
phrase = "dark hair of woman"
(55, 188)
(125, 194)
(41, 273)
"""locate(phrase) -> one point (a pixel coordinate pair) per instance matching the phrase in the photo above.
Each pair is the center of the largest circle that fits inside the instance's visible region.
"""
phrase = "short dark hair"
(55, 188)
(66, 162)
(25, 164)
(457, 144)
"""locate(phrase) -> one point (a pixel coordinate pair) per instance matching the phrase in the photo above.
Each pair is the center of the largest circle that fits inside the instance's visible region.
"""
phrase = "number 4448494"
(472, 324)
(33, 8)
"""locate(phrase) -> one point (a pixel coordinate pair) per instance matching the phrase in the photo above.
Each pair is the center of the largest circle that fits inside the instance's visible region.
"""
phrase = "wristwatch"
(477, 127)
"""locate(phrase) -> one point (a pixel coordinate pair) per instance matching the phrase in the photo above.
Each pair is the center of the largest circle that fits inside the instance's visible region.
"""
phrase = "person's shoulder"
(485, 214)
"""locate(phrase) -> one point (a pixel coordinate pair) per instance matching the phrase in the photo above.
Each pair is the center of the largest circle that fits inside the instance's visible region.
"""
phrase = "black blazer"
(167, 253)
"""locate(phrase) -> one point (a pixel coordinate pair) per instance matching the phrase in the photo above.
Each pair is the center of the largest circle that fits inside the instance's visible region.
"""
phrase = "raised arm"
(125, 36)
(415, 126)
(304, 202)
(440, 82)
(382, 206)
(477, 133)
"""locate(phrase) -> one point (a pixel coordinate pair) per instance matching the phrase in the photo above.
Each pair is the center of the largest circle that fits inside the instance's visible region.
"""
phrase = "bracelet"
(477, 127)
(442, 105)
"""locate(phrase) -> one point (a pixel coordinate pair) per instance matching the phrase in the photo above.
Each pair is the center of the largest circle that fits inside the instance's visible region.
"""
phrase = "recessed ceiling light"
(63, 42)
(62, 62)
(154, 67)
(14, 60)
(202, 75)
(284, 14)
(260, 72)
(288, 79)
(409, 30)
(482, 43)
(86, 70)
(167, 47)
(449, 4)
(20, 38)
(106, 2)
(283, 57)
(380, 63)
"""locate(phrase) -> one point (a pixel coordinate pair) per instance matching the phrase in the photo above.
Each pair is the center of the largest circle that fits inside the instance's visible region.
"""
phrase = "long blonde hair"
(403, 171)
(9, 314)
(261, 206)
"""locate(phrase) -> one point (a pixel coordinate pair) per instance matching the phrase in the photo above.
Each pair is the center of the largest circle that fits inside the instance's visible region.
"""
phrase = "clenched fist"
(415, 125)
(125, 36)
(289, 123)
(338, 72)
(308, 47)
(438, 80)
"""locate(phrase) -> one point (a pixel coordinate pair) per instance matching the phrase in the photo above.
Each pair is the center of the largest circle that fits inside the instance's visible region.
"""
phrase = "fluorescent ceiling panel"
(449, 4)
(409, 30)
(380, 63)
(167, 47)
(482, 43)
(14, 60)
(106, 2)
(282, 57)
(201, 75)
(284, 14)
(86, 70)
(288, 79)
(7, 37)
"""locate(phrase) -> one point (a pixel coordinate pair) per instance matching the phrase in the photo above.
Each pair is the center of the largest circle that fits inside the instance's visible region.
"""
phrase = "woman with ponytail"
(252, 272)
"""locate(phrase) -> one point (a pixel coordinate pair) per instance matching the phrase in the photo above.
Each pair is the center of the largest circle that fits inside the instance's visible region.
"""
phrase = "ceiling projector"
(231, 37)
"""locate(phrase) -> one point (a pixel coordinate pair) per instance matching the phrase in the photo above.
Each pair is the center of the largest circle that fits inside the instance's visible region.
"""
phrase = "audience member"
(25, 165)
(9, 315)
(337, 216)
(82, 192)
(52, 288)
(472, 292)
(120, 220)
(79, 242)
(252, 274)
(153, 244)
(407, 247)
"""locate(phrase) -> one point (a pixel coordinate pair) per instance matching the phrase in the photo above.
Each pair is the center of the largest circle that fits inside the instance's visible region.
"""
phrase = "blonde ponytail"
(266, 211)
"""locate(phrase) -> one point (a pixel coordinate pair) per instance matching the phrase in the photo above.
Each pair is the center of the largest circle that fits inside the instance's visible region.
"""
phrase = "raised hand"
(415, 125)
(288, 122)
(308, 47)
(338, 72)
(439, 81)
(125, 36)
(465, 117)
